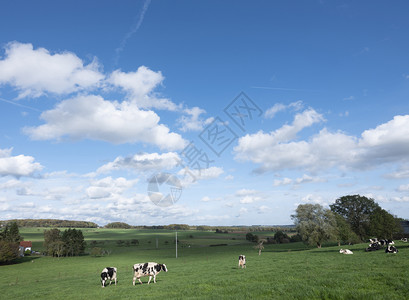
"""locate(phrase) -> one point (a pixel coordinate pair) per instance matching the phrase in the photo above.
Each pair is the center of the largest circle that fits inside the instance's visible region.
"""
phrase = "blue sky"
(97, 98)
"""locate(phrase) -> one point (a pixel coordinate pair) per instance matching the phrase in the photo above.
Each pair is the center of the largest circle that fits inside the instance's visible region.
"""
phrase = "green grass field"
(286, 271)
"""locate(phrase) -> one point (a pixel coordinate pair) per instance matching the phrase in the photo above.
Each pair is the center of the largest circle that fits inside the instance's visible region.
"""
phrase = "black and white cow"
(242, 261)
(147, 269)
(374, 240)
(386, 242)
(109, 273)
(373, 247)
(391, 249)
(405, 240)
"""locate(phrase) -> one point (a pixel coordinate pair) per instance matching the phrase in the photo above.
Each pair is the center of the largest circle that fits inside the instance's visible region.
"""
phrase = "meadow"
(206, 268)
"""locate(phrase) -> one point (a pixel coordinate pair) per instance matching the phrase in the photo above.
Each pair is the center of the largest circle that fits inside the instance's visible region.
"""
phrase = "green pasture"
(286, 271)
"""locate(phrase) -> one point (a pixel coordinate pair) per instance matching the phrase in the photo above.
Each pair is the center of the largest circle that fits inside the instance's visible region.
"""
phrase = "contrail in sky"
(133, 29)
(20, 105)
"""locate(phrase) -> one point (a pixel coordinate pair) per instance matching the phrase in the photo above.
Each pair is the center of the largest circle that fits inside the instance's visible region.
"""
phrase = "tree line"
(50, 223)
(351, 219)
(217, 229)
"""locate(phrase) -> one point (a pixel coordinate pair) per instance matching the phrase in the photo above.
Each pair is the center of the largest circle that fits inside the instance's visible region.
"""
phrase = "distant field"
(287, 271)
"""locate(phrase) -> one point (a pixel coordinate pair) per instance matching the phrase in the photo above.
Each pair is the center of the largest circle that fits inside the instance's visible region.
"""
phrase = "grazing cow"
(404, 240)
(345, 251)
(242, 261)
(391, 249)
(373, 247)
(147, 269)
(109, 273)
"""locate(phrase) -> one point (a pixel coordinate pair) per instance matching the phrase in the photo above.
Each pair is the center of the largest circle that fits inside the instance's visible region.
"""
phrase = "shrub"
(97, 251)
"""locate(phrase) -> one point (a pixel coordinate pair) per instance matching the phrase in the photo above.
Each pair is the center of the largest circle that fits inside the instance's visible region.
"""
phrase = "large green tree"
(357, 211)
(314, 223)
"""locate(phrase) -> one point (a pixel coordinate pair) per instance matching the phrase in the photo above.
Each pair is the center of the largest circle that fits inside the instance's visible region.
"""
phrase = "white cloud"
(401, 173)
(206, 199)
(284, 181)
(36, 72)
(92, 117)
(142, 162)
(245, 192)
(139, 86)
(202, 174)
(401, 199)
(107, 187)
(314, 199)
(193, 121)
(272, 111)
(243, 211)
(350, 98)
(263, 209)
(403, 188)
(17, 166)
(304, 179)
(248, 196)
(278, 150)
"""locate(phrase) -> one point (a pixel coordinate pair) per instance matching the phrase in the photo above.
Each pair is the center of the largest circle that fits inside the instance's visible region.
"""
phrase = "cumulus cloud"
(142, 162)
(17, 166)
(279, 149)
(92, 117)
(248, 196)
(139, 86)
(108, 186)
(34, 72)
(192, 120)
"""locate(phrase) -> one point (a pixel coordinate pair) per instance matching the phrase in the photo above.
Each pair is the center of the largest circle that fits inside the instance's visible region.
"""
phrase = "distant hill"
(50, 223)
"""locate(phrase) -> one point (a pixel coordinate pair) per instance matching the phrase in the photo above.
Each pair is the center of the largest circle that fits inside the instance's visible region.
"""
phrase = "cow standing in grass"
(109, 273)
(242, 261)
(147, 269)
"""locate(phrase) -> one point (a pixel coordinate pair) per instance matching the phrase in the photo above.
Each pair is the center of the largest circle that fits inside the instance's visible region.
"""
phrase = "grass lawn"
(286, 271)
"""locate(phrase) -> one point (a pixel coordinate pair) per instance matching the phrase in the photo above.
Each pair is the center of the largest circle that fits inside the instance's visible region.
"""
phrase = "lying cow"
(242, 261)
(147, 269)
(373, 247)
(345, 251)
(109, 273)
(386, 242)
(404, 240)
(391, 249)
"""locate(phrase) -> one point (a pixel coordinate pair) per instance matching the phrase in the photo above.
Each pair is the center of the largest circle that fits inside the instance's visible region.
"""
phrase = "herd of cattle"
(376, 244)
(152, 269)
